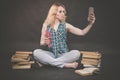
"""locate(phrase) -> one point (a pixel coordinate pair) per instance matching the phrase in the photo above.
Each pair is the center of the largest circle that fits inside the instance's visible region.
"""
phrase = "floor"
(109, 69)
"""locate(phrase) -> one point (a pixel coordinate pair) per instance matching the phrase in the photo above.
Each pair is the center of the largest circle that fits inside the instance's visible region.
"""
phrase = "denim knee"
(36, 51)
(76, 53)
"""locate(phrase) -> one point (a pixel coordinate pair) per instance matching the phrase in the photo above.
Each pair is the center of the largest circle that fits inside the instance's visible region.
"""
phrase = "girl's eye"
(61, 11)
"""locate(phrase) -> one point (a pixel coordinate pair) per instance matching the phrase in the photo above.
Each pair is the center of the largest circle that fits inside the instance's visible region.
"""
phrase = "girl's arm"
(78, 31)
(81, 32)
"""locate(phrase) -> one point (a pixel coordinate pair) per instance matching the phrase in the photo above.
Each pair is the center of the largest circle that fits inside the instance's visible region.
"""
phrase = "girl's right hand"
(47, 41)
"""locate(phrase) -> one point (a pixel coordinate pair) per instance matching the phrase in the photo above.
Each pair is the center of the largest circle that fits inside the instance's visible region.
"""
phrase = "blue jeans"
(48, 58)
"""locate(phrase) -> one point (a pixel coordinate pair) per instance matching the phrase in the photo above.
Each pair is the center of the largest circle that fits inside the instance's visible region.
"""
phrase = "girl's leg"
(71, 56)
(69, 59)
(46, 57)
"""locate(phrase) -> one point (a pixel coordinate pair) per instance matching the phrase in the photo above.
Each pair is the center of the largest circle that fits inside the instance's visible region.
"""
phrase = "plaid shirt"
(58, 40)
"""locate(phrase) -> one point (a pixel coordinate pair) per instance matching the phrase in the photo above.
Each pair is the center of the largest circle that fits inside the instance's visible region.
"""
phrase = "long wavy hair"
(52, 14)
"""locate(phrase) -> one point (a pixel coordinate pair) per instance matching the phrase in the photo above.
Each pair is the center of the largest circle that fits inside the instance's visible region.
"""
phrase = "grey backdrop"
(21, 23)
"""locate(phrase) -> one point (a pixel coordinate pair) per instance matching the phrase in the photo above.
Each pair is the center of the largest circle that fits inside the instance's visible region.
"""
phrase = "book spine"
(28, 66)
(23, 52)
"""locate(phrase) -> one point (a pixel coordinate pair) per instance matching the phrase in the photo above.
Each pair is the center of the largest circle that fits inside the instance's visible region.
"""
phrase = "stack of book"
(91, 62)
(91, 58)
(21, 60)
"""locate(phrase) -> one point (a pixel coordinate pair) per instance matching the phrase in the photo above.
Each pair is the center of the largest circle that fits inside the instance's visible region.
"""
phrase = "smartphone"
(90, 11)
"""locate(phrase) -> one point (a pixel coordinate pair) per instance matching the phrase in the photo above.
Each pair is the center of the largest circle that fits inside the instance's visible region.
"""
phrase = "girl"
(54, 34)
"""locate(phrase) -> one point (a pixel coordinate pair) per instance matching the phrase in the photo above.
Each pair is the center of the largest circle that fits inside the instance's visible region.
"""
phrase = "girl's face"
(60, 13)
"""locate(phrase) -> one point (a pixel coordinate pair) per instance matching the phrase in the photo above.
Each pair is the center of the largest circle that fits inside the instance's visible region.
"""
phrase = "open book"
(86, 71)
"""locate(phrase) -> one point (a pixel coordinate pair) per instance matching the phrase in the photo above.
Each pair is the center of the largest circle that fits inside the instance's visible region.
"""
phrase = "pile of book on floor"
(91, 62)
(22, 60)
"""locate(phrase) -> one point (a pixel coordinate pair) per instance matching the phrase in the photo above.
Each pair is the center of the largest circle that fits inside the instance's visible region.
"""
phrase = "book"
(18, 59)
(23, 52)
(89, 61)
(25, 62)
(25, 56)
(90, 54)
(89, 66)
(26, 66)
(86, 71)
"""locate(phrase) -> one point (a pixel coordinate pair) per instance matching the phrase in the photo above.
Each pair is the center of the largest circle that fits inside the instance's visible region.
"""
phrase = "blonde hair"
(52, 14)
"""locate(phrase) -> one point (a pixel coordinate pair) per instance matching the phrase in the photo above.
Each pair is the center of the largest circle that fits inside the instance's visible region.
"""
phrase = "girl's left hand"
(91, 18)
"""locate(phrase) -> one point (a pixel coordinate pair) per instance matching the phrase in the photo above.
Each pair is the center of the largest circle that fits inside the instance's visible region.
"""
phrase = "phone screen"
(91, 10)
